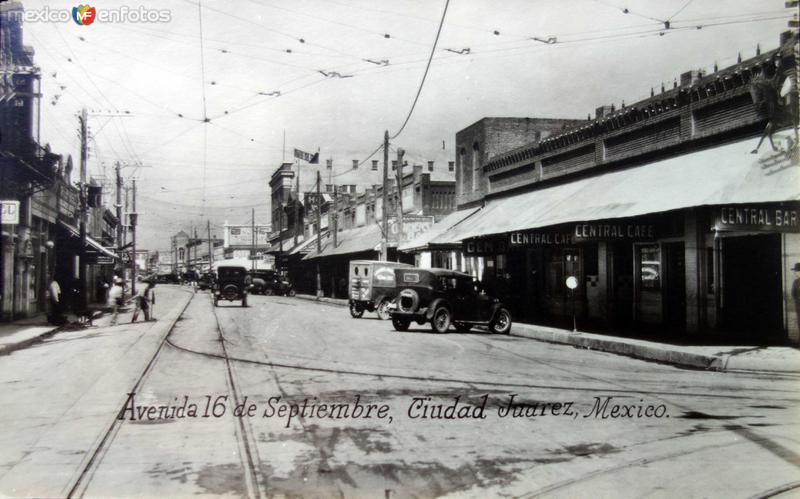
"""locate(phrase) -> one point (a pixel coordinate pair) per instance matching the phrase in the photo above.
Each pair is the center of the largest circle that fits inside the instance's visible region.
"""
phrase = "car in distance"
(232, 283)
(371, 287)
(443, 297)
(270, 282)
(206, 281)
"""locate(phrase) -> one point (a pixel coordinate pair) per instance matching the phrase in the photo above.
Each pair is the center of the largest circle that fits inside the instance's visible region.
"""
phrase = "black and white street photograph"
(399, 249)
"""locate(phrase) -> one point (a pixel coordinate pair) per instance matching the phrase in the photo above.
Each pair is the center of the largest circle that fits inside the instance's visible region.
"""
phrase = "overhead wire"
(425, 75)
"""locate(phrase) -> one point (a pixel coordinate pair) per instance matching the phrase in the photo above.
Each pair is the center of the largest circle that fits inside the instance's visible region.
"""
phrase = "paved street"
(584, 422)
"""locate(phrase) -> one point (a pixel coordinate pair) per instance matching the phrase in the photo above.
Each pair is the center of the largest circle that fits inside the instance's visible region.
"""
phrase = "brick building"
(671, 214)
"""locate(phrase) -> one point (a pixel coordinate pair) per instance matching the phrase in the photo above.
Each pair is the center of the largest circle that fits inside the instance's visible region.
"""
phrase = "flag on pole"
(307, 156)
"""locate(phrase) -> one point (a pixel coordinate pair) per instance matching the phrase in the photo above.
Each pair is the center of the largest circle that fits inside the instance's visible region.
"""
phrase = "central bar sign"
(774, 217)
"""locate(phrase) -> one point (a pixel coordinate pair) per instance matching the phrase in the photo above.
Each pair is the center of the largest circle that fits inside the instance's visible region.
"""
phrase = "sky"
(191, 108)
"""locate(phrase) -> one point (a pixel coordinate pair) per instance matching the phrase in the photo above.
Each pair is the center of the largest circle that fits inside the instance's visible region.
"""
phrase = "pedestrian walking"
(115, 299)
(145, 297)
(56, 316)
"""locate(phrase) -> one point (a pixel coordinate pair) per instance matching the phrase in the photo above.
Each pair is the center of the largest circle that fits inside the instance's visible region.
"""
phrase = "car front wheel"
(501, 323)
(441, 320)
(400, 324)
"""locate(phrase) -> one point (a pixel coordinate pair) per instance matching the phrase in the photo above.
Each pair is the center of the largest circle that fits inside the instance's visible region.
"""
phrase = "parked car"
(270, 282)
(372, 287)
(232, 283)
(443, 297)
(206, 281)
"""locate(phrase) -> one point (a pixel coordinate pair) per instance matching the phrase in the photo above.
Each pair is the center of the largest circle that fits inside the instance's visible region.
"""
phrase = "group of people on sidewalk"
(144, 299)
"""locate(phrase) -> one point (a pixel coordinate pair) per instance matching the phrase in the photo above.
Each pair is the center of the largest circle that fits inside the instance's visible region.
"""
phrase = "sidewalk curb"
(610, 345)
(12, 347)
(324, 299)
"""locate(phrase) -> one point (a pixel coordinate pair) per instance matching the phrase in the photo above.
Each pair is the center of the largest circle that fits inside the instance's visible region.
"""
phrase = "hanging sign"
(10, 212)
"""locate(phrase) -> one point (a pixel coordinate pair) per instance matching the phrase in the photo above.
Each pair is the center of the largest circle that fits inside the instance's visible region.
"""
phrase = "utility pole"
(253, 240)
(319, 234)
(118, 206)
(400, 154)
(133, 220)
(83, 210)
(210, 253)
(335, 218)
(385, 202)
(297, 207)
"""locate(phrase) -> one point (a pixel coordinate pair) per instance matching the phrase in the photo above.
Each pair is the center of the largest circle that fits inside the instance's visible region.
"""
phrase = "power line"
(425, 75)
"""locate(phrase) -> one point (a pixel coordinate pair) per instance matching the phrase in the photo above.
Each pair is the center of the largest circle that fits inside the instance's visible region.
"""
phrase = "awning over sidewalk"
(90, 243)
(349, 241)
(426, 239)
(727, 174)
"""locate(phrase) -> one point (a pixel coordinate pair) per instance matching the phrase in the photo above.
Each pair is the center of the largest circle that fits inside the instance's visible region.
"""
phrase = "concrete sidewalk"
(784, 360)
(25, 332)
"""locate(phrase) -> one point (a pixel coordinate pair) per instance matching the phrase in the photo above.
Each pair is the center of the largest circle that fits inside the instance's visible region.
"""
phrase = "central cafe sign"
(563, 236)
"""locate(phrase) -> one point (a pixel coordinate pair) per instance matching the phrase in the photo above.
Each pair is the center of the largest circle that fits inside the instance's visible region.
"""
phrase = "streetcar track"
(84, 478)
(245, 434)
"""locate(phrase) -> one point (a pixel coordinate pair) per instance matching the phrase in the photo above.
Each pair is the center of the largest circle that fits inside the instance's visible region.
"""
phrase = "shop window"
(650, 267)
(561, 263)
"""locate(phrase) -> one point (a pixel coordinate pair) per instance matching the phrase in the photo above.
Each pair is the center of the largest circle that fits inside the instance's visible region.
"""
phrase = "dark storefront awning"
(91, 244)
(727, 174)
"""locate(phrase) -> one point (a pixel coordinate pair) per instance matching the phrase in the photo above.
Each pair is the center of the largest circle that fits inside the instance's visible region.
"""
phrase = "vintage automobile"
(206, 281)
(270, 282)
(371, 287)
(444, 297)
(232, 283)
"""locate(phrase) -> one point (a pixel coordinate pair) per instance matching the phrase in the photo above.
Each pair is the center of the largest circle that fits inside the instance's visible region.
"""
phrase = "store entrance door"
(622, 293)
(675, 285)
(751, 276)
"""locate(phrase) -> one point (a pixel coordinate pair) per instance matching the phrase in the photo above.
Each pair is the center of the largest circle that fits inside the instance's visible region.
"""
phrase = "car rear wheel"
(462, 327)
(441, 320)
(383, 310)
(356, 310)
(291, 293)
(501, 324)
(268, 292)
(400, 324)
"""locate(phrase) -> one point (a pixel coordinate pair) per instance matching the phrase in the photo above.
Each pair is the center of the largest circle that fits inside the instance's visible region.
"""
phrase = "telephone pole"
(253, 240)
(297, 207)
(84, 209)
(319, 234)
(400, 154)
(133, 220)
(118, 206)
(210, 253)
(385, 201)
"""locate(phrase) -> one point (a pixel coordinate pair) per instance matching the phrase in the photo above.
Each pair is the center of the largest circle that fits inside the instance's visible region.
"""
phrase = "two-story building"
(671, 213)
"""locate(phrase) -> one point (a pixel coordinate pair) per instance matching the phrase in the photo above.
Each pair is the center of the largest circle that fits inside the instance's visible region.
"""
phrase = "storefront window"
(650, 266)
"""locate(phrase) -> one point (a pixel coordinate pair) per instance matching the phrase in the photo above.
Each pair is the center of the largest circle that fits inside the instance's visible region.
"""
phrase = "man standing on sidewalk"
(144, 297)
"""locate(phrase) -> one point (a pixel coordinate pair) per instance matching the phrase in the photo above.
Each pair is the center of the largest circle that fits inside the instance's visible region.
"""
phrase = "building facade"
(676, 214)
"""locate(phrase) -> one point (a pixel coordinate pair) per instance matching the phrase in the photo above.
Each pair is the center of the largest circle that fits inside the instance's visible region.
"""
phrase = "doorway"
(674, 285)
(622, 283)
(751, 292)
